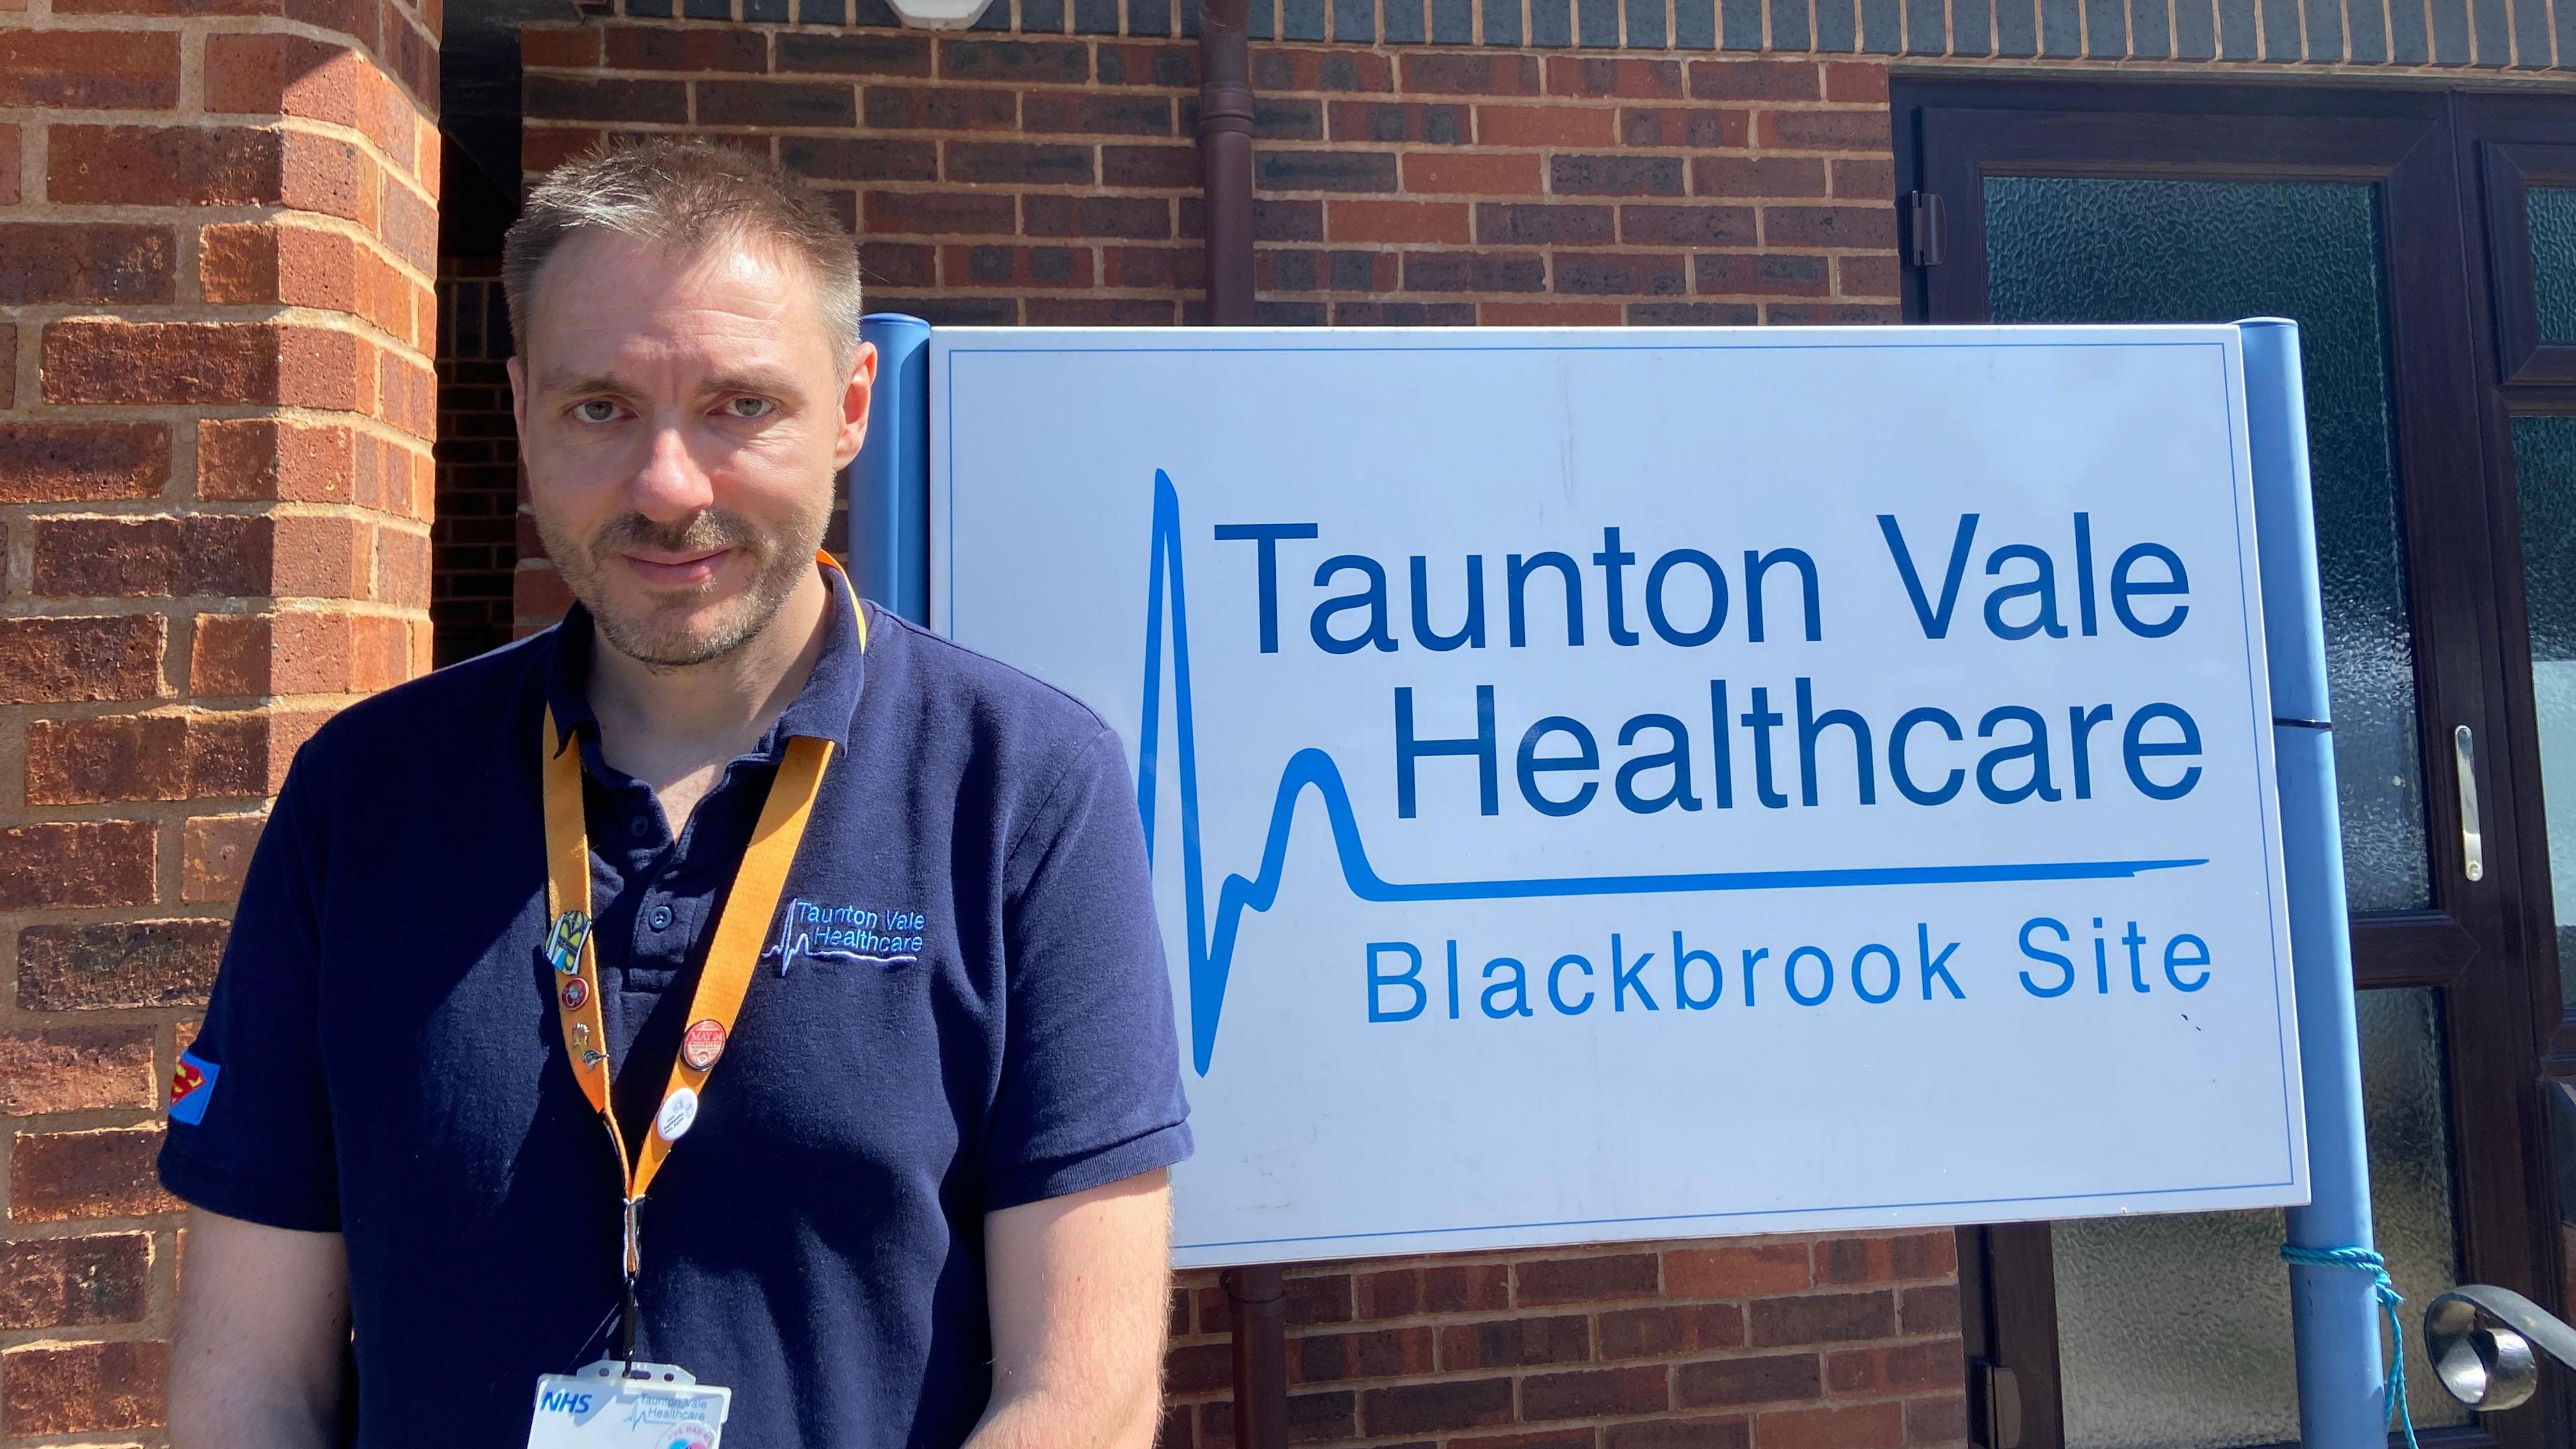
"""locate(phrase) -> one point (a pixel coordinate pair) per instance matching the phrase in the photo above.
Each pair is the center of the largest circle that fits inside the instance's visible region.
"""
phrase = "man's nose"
(671, 485)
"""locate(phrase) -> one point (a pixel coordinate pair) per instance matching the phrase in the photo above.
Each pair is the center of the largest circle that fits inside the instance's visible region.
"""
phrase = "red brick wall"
(1018, 179)
(1767, 1343)
(1005, 179)
(216, 234)
(475, 542)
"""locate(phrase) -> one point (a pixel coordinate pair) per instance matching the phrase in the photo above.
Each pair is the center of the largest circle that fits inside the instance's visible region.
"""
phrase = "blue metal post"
(890, 483)
(2334, 1310)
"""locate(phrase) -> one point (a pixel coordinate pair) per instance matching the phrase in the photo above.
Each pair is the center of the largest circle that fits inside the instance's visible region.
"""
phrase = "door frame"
(2471, 943)
(2507, 142)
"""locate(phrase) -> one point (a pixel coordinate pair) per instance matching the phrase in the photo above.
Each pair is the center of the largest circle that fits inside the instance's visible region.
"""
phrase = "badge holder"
(617, 1405)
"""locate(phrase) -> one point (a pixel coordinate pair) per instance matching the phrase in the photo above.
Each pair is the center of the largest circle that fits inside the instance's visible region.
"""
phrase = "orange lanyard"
(725, 979)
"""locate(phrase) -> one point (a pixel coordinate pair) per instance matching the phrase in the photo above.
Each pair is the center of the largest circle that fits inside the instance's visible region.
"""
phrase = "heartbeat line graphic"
(1212, 955)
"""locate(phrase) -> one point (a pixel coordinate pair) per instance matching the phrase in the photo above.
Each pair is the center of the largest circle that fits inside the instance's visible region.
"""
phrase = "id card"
(604, 1407)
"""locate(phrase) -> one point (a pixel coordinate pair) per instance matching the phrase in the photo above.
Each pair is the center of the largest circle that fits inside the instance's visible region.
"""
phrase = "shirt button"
(661, 918)
(639, 827)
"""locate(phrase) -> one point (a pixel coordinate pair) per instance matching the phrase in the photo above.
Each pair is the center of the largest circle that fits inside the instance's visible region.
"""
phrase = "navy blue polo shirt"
(963, 1007)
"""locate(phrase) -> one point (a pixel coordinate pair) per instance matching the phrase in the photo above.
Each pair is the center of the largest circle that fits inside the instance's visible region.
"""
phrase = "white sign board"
(1638, 783)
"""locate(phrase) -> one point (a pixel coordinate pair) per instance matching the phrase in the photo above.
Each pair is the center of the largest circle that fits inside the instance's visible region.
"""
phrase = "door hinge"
(1994, 1405)
(1926, 228)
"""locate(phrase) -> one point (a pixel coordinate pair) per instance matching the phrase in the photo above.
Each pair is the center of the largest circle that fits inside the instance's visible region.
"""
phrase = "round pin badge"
(679, 1110)
(703, 1043)
(575, 992)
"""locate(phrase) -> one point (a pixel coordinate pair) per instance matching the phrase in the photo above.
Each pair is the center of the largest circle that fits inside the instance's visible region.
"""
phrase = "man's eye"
(596, 410)
(750, 407)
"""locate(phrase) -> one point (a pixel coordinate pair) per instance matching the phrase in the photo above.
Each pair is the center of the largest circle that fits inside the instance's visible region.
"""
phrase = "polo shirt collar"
(821, 710)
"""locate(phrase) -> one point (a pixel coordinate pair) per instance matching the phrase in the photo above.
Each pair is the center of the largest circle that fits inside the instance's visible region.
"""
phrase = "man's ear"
(858, 392)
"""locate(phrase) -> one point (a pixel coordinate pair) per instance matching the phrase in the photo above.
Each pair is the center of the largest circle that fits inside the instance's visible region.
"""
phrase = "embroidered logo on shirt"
(191, 1086)
(812, 931)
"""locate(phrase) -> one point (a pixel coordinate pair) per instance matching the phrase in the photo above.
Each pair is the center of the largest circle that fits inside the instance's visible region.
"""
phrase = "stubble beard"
(656, 635)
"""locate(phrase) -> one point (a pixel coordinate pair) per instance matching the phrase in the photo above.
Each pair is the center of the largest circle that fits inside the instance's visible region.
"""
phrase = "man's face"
(681, 418)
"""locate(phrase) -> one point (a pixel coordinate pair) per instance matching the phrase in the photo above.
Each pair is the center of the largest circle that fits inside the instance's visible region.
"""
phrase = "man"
(847, 929)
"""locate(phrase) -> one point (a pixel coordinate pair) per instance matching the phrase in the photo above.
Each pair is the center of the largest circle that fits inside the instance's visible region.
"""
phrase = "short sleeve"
(255, 1143)
(1090, 1088)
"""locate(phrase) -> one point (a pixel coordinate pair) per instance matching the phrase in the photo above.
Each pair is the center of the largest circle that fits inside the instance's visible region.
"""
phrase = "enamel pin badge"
(702, 1044)
(563, 944)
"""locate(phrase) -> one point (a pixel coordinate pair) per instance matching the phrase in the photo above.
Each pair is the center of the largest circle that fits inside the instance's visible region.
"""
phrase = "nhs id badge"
(605, 1407)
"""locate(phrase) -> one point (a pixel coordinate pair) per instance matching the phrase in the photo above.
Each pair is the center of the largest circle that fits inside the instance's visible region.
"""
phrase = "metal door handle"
(2464, 755)
(2480, 1338)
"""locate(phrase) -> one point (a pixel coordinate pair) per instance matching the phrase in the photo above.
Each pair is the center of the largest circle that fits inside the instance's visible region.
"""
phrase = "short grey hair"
(690, 195)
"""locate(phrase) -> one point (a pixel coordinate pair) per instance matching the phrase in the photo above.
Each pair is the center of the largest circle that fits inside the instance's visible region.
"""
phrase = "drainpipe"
(1225, 157)
(1255, 1295)
(1258, 1301)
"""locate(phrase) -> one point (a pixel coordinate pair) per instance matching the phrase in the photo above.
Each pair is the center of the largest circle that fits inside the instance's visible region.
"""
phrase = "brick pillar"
(218, 226)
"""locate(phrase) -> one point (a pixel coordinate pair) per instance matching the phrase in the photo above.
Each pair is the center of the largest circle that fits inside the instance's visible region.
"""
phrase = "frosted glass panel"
(2552, 213)
(2174, 1332)
(2076, 249)
(2544, 470)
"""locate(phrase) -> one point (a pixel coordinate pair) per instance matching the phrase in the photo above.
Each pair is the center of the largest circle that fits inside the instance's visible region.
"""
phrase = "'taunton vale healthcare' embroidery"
(816, 932)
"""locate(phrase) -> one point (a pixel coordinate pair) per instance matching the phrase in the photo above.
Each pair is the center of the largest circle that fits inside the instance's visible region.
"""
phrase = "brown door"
(2344, 210)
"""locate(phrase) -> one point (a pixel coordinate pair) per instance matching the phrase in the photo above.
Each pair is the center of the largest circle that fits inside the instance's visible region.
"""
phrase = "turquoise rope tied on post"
(2389, 1299)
